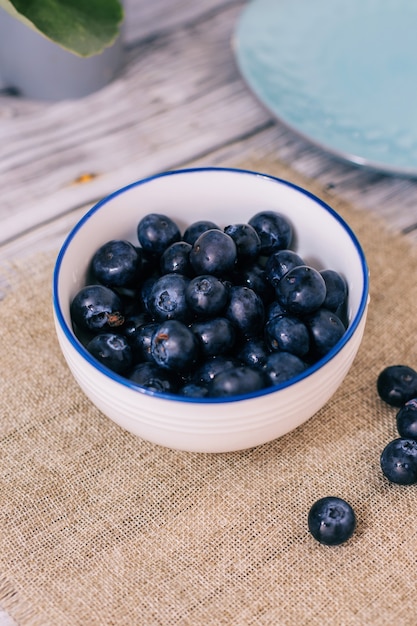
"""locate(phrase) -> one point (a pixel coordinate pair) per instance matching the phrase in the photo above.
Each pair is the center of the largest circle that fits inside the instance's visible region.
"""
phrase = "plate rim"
(352, 158)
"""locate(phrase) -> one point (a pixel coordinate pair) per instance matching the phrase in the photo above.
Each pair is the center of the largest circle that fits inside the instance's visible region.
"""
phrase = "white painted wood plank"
(138, 125)
(146, 19)
(260, 146)
(180, 97)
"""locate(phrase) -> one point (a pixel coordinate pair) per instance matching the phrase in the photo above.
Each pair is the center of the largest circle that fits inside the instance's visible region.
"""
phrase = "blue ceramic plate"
(342, 74)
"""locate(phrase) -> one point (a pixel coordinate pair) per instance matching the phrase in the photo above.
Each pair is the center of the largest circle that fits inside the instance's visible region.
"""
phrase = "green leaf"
(84, 27)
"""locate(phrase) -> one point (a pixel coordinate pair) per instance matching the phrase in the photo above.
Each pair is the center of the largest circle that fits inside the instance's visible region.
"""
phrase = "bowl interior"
(224, 196)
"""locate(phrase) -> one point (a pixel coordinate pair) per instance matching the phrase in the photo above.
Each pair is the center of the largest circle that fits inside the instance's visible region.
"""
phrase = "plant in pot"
(58, 49)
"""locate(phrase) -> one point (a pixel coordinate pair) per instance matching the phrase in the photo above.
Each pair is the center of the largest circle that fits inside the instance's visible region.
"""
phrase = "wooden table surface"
(179, 101)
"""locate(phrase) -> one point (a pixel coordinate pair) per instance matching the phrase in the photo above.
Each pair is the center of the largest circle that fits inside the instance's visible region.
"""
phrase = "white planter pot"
(39, 69)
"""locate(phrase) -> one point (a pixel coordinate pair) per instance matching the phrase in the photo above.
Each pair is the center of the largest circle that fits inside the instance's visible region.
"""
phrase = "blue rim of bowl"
(76, 344)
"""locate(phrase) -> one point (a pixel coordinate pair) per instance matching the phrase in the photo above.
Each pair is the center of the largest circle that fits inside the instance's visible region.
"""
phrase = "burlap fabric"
(98, 527)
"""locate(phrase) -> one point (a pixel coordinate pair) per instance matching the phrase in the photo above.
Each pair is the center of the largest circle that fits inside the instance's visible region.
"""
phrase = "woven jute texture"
(98, 527)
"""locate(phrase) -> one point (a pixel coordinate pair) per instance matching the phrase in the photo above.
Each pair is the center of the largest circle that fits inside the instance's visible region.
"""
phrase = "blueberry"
(213, 366)
(111, 350)
(206, 295)
(274, 230)
(399, 461)
(213, 252)
(141, 342)
(129, 299)
(246, 311)
(216, 336)
(145, 291)
(192, 390)
(236, 381)
(150, 265)
(279, 263)
(167, 298)
(254, 277)
(96, 308)
(331, 521)
(156, 232)
(288, 334)
(195, 229)
(275, 309)
(117, 263)
(247, 242)
(174, 346)
(154, 378)
(282, 366)
(133, 323)
(254, 351)
(407, 420)
(336, 290)
(176, 258)
(397, 384)
(325, 328)
(301, 290)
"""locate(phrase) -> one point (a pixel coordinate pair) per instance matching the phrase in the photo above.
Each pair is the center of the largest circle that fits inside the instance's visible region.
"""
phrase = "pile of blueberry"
(331, 520)
(210, 312)
(397, 385)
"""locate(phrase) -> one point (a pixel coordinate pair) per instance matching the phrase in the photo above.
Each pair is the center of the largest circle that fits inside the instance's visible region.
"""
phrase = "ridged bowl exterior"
(225, 196)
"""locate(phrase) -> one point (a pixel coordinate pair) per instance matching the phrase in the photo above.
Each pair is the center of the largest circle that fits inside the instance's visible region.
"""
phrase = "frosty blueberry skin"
(111, 350)
(288, 334)
(156, 232)
(279, 263)
(331, 521)
(282, 366)
(141, 341)
(275, 309)
(236, 381)
(211, 367)
(154, 378)
(216, 336)
(194, 230)
(301, 290)
(397, 384)
(95, 308)
(167, 300)
(145, 291)
(399, 461)
(254, 351)
(117, 263)
(206, 295)
(406, 419)
(246, 311)
(174, 346)
(133, 323)
(214, 252)
(192, 390)
(274, 230)
(247, 242)
(254, 277)
(326, 328)
(176, 258)
(336, 290)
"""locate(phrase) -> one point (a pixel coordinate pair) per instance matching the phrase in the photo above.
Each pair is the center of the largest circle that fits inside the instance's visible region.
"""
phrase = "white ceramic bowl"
(225, 196)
